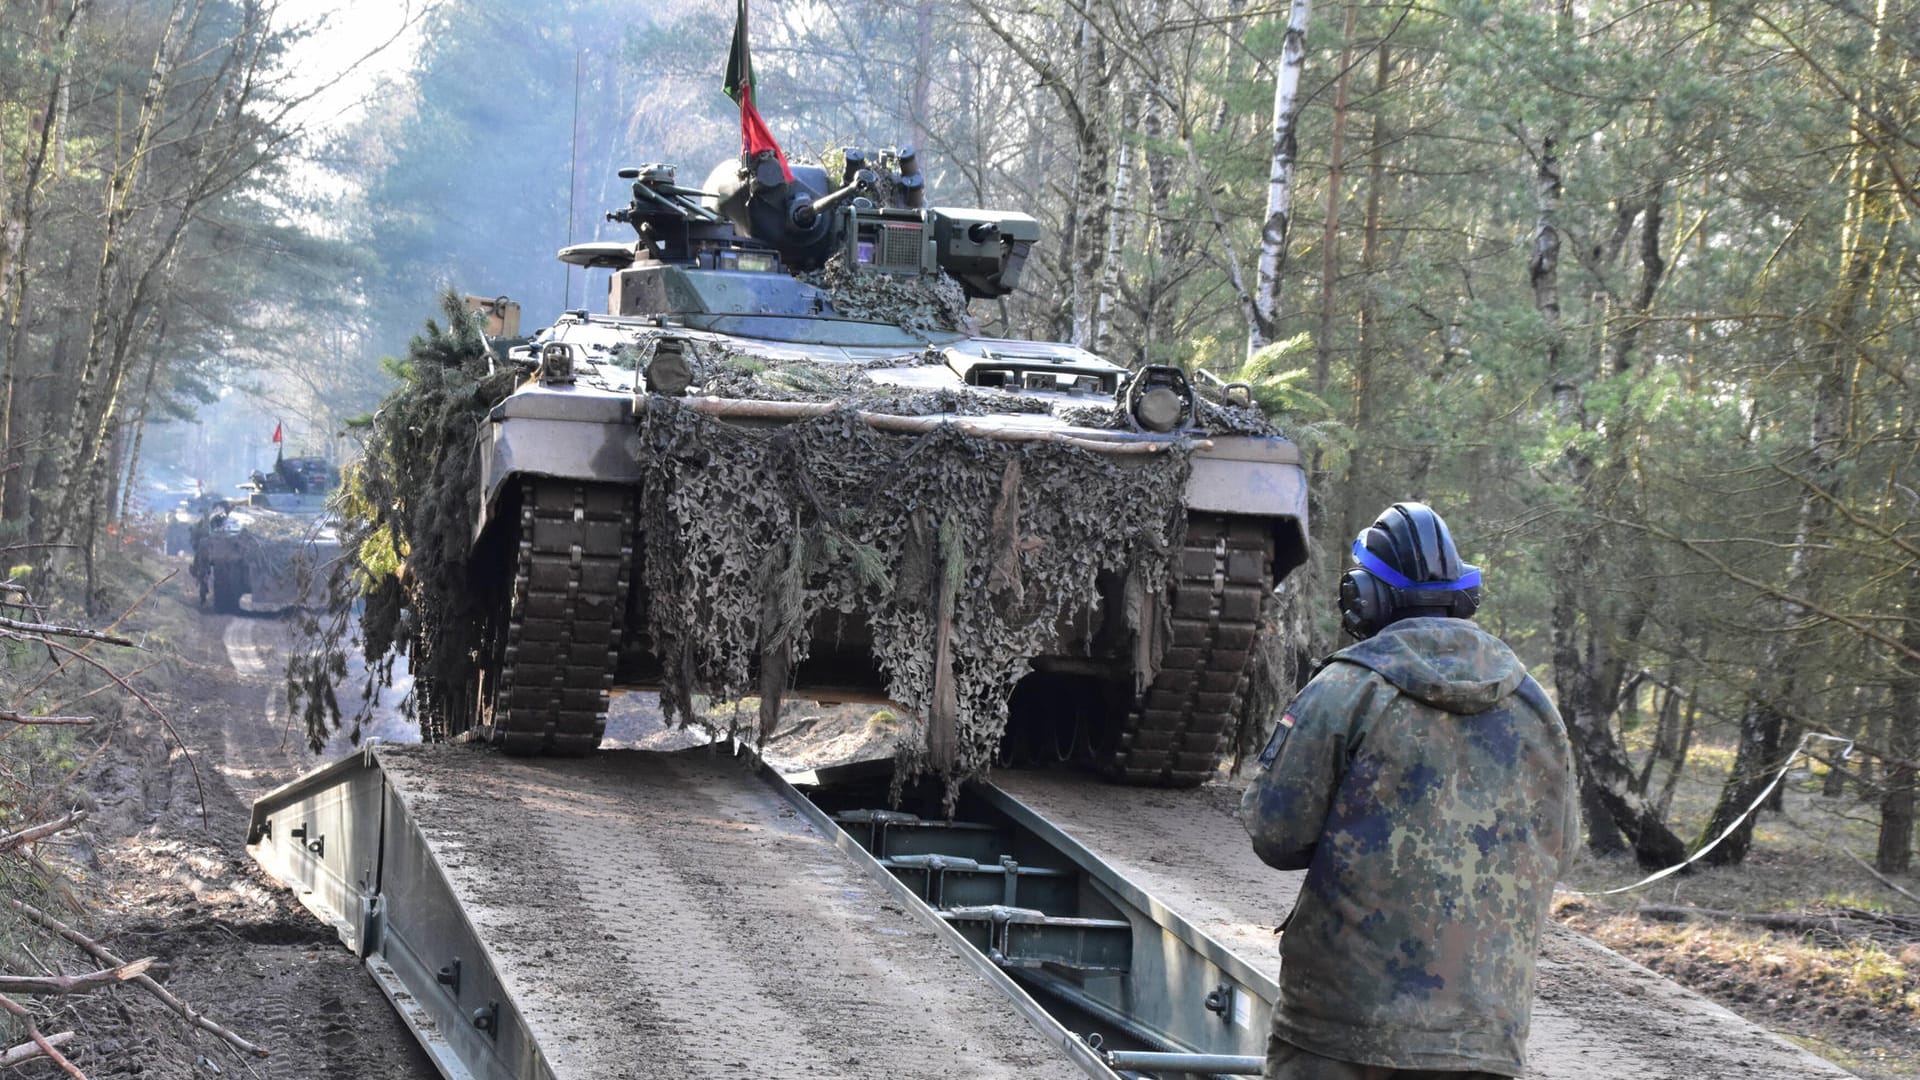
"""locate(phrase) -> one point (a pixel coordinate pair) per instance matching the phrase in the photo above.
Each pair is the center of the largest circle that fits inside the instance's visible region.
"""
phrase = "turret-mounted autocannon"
(757, 214)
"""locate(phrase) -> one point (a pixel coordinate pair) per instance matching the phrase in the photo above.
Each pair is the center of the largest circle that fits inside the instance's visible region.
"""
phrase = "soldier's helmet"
(1405, 564)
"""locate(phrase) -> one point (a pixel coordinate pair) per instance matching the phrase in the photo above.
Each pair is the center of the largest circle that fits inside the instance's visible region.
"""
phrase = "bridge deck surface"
(671, 916)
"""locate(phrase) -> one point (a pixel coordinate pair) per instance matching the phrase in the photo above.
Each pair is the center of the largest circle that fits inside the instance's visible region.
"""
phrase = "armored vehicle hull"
(719, 338)
(270, 549)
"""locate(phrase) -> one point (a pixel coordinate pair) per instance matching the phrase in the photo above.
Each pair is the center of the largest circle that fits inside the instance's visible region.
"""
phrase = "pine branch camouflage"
(1425, 783)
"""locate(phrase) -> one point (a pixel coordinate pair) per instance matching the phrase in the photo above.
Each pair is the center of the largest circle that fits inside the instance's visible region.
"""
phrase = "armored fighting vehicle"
(785, 308)
(271, 546)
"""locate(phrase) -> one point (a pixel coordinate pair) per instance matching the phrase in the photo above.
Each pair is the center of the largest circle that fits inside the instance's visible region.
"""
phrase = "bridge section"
(636, 915)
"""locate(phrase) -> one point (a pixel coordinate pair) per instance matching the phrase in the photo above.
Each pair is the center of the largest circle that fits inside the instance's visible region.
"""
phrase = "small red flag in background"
(276, 432)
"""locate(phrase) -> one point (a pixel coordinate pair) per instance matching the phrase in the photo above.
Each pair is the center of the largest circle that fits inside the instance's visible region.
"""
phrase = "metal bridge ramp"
(628, 915)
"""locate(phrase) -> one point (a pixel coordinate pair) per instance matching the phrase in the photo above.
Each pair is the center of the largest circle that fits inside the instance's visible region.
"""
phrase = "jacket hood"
(1450, 664)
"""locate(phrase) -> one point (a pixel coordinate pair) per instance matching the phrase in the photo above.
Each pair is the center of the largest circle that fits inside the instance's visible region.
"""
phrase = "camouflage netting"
(966, 554)
(1215, 417)
(406, 513)
(273, 545)
(740, 375)
(915, 303)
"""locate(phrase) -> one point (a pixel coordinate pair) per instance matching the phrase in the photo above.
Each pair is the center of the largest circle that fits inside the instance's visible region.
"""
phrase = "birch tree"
(1269, 281)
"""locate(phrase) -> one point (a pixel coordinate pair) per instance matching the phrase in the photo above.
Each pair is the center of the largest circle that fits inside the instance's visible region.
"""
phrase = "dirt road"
(167, 883)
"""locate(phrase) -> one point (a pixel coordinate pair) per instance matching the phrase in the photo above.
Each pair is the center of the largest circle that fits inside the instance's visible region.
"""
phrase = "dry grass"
(1851, 993)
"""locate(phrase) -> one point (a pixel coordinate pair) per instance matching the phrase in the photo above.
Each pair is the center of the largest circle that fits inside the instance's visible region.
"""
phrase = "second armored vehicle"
(271, 547)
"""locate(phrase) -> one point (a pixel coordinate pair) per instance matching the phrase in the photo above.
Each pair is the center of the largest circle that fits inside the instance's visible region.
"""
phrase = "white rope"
(1846, 748)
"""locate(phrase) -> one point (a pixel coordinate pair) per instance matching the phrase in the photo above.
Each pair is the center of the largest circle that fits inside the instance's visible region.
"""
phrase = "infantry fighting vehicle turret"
(271, 546)
(853, 282)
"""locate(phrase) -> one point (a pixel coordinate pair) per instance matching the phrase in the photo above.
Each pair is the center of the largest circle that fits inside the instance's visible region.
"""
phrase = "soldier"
(1425, 783)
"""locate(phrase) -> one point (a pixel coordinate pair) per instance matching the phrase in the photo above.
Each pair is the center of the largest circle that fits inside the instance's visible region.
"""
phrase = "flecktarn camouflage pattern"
(1426, 785)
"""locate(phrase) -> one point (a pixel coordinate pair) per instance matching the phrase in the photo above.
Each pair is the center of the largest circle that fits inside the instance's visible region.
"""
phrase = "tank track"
(569, 601)
(1175, 734)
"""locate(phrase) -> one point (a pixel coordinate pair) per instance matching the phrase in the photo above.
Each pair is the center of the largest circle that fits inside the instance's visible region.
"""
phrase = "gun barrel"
(864, 179)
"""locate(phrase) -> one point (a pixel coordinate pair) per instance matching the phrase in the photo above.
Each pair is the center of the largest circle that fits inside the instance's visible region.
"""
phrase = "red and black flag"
(754, 136)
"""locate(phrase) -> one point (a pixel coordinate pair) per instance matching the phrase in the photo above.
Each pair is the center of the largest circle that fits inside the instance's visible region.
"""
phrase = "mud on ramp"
(670, 916)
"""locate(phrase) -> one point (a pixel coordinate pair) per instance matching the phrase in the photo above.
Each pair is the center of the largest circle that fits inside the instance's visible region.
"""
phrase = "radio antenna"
(573, 167)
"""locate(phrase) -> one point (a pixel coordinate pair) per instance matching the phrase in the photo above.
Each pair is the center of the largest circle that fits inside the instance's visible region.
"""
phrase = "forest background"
(1627, 290)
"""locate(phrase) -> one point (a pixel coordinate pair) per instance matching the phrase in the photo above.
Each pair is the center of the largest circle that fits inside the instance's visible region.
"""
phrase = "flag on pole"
(738, 85)
(276, 431)
(279, 450)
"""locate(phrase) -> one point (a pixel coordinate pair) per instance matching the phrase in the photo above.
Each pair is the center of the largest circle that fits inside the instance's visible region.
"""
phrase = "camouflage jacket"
(1425, 783)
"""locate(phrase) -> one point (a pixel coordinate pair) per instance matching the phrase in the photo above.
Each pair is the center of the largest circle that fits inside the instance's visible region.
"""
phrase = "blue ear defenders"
(1371, 592)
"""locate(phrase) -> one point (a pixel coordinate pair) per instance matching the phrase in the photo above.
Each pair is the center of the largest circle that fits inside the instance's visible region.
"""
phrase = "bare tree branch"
(74, 984)
(52, 629)
(41, 831)
(41, 1041)
(99, 952)
(44, 721)
(27, 1051)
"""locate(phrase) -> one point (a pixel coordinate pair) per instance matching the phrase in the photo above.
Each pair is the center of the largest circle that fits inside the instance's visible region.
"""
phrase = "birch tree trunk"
(1330, 232)
(1119, 214)
(1170, 240)
(1272, 263)
(1093, 185)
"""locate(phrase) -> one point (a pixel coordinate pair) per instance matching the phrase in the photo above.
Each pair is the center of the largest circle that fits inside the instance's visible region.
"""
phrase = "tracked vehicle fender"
(1258, 478)
(561, 432)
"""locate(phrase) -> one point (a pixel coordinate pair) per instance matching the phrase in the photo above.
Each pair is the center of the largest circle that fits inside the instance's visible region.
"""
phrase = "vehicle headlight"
(1158, 409)
(1160, 399)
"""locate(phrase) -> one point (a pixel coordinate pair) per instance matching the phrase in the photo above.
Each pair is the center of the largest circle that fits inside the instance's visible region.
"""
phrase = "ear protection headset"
(1374, 592)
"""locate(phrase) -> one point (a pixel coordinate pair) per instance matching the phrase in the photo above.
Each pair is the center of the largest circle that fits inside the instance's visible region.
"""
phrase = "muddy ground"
(165, 869)
(164, 881)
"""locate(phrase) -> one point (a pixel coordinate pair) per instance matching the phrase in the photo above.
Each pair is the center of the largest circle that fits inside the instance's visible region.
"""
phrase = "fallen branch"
(1878, 876)
(1094, 439)
(45, 721)
(56, 630)
(27, 1051)
(1770, 920)
(42, 830)
(1910, 923)
(99, 952)
(74, 984)
(41, 1042)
